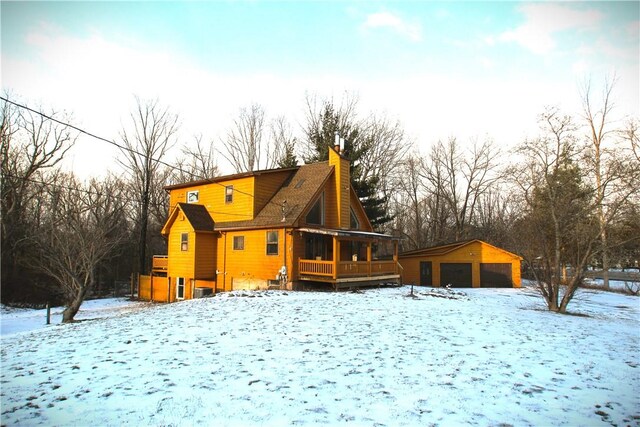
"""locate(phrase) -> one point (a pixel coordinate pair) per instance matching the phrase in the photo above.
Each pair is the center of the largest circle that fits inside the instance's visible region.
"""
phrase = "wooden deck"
(343, 274)
(159, 265)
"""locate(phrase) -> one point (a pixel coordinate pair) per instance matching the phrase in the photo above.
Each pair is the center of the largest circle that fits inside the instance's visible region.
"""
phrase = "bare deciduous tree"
(284, 143)
(631, 134)
(197, 162)
(29, 145)
(80, 228)
(598, 123)
(152, 134)
(411, 205)
(245, 146)
(467, 176)
(558, 227)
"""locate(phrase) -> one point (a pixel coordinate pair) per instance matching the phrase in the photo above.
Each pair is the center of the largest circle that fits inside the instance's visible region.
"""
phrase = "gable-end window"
(316, 214)
(355, 224)
(272, 243)
(238, 243)
(228, 194)
(193, 196)
(184, 242)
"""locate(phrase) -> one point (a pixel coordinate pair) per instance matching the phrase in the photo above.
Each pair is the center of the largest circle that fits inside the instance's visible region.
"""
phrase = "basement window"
(184, 242)
(238, 243)
(228, 194)
(272, 243)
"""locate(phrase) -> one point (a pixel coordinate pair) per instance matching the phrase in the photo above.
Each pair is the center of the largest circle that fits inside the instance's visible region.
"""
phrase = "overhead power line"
(120, 146)
(85, 191)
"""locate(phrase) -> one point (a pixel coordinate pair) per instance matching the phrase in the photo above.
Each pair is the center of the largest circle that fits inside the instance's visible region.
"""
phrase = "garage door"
(496, 275)
(456, 275)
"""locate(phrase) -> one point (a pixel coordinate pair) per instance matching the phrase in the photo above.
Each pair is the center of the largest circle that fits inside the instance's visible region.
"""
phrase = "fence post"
(48, 314)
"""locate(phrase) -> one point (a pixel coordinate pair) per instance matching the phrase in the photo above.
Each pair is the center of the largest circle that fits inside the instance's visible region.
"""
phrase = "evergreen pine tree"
(321, 136)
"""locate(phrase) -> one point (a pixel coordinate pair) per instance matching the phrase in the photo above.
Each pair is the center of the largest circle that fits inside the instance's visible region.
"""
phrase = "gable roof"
(197, 216)
(218, 179)
(445, 249)
(298, 192)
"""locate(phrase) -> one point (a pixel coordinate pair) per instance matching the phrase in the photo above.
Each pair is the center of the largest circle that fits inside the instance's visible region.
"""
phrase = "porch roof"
(348, 233)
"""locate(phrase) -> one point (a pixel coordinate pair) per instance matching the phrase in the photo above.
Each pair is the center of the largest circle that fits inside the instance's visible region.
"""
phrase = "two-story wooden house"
(274, 227)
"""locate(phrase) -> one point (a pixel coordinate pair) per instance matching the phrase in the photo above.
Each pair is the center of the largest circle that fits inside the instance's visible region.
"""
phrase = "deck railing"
(347, 268)
(160, 263)
(315, 268)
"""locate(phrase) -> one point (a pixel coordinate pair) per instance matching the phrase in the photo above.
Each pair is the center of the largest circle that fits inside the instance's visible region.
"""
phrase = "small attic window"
(193, 196)
(228, 194)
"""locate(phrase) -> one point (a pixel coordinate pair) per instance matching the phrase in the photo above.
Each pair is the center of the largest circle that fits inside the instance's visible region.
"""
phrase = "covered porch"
(348, 258)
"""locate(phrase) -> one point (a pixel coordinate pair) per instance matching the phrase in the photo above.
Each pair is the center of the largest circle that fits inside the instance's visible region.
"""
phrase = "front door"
(180, 288)
(426, 278)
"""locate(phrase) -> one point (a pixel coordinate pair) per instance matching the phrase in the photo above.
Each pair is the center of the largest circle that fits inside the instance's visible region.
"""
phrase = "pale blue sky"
(441, 68)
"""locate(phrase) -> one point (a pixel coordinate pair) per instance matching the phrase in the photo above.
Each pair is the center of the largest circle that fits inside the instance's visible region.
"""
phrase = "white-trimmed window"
(228, 194)
(272, 243)
(184, 242)
(238, 243)
(180, 288)
(193, 196)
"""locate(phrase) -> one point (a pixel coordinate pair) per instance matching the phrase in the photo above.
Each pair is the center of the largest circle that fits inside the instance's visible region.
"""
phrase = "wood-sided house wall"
(250, 259)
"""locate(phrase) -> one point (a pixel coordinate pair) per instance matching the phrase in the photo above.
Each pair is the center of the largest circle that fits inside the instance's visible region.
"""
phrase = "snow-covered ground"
(13, 320)
(482, 357)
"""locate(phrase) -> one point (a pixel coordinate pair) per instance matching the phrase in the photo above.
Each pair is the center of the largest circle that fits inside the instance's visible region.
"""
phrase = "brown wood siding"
(297, 253)
(212, 196)
(361, 215)
(266, 186)
(205, 256)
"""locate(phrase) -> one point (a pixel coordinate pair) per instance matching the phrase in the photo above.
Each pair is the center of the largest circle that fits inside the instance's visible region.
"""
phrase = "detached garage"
(470, 264)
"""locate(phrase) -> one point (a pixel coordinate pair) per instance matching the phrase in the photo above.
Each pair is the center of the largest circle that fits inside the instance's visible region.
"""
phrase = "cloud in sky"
(394, 22)
(453, 86)
(543, 22)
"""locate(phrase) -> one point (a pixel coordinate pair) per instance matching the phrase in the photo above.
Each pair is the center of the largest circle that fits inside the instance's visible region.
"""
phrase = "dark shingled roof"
(298, 191)
(198, 216)
(445, 249)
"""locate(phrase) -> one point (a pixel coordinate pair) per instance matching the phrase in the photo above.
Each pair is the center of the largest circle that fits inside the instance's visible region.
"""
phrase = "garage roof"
(445, 249)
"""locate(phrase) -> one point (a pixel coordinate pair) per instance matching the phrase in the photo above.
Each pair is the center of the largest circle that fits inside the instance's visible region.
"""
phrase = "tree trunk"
(142, 238)
(605, 257)
(72, 309)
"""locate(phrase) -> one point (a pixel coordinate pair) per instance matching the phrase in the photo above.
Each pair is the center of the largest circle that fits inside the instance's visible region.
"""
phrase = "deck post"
(369, 256)
(395, 257)
(336, 256)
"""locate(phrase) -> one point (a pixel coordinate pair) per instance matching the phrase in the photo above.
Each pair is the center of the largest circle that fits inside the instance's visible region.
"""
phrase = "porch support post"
(336, 256)
(395, 256)
(369, 256)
